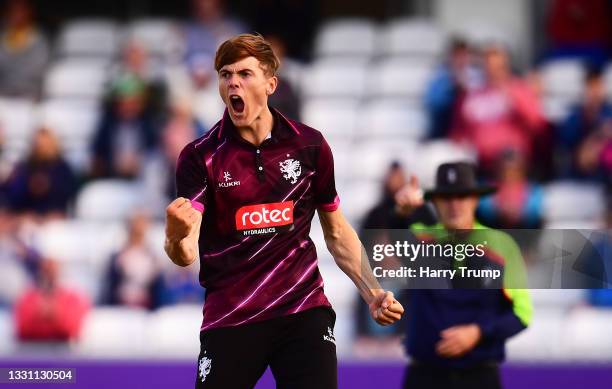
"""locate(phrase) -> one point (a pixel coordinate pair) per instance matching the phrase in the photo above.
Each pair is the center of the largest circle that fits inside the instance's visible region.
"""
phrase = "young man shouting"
(248, 191)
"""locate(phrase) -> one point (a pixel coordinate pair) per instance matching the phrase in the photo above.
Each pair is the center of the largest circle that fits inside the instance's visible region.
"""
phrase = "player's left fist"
(385, 309)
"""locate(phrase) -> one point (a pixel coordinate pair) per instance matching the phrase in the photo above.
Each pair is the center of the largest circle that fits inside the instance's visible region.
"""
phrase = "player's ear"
(272, 84)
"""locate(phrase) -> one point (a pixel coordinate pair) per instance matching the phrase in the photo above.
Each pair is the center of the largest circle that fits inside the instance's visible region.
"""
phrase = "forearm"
(344, 245)
(183, 252)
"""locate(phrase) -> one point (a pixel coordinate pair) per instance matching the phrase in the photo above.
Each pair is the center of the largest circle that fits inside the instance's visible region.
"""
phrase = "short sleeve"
(326, 196)
(191, 178)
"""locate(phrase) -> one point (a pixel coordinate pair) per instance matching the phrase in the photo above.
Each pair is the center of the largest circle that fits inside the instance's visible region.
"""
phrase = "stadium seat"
(83, 78)
(108, 200)
(412, 37)
(560, 202)
(434, 153)
(13, 280)
(335, 78)
(556, 108)
(89, 37)
(479, 33)
(7, 333)
(393, 120)
(608, 79)
(563, 78)
(173, 332)
(17, 124)
(114, 333)
(346, 37)
(360, 196)
(160, 37)
(587, 335)
(541, 340)
(399, 78)
(74, 122)
(333, 117)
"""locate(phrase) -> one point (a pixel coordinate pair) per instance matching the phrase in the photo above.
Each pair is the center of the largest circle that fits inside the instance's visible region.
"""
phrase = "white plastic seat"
(14, 280)
(159, 37)
(7, 333)
(74, 122)
(89, 37)
(397, 77)
(17, 123)
(563, 78)
(608, 79)
(114, 332)
(335, 78)
(83, 78)
(333, 117)
(587, 335)
(560, 200)
(540, 340)
(412, 37)
(556, 108)
(346, 37)
(108, 200)
(392, 120)
(358, 196)
(433, 154)
(173, 332)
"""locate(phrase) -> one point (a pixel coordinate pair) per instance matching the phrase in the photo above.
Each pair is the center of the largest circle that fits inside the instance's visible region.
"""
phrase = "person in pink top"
(504, 113)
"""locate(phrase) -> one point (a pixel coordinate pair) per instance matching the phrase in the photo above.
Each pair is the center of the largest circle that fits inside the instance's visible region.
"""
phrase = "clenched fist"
(182, 231)
(385, 309)
(181, 219)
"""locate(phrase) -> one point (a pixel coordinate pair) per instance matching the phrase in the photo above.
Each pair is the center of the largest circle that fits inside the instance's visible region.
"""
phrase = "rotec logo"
(264, 218)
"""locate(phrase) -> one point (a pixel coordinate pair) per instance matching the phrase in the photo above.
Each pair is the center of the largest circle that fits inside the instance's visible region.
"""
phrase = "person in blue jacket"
(456, 334)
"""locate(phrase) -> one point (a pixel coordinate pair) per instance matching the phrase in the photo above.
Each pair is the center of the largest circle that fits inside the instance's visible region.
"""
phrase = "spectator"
(450, 81)
(517, 202)
(502, 114)
(181, 286)
(586, 134)
(209, 27)
(159, 172)
(44, 184)
(126, 132)
(136, 63)
(134, 277)
(23, 52)
(50, 312)
(18, 262)
(285, 98)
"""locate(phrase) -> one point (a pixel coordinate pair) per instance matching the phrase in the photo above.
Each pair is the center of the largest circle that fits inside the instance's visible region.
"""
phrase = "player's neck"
(259, 130)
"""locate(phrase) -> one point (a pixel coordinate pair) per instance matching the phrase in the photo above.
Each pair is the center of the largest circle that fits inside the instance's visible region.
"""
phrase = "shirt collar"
(282, 128)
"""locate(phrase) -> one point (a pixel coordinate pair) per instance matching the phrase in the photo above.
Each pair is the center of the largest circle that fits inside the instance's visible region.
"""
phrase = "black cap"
(457, 179)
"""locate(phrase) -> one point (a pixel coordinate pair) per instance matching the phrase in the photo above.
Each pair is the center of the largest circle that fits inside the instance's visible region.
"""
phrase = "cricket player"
(247, 192)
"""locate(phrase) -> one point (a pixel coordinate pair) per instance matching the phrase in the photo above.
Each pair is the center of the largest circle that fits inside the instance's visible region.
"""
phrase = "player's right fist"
(181, 219)
(409, 197)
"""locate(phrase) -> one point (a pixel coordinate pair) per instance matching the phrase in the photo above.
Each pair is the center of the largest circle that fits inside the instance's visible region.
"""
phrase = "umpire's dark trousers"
(428, 376)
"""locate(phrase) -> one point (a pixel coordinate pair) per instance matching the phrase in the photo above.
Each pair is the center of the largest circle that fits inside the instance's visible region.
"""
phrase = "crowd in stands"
(148, 112)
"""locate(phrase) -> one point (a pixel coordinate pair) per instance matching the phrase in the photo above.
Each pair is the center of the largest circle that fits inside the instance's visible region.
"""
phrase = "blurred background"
(97, 99)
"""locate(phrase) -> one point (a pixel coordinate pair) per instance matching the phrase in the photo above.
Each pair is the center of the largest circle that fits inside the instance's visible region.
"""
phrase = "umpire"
(456, 336)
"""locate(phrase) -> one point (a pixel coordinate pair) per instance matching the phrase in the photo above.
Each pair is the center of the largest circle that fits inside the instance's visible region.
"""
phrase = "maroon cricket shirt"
(256, 259)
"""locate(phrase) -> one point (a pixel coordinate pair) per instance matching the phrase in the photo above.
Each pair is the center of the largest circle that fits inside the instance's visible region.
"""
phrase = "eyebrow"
(236, 71)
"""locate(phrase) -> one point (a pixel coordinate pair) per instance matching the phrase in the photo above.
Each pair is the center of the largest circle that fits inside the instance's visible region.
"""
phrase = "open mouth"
(237, 103)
